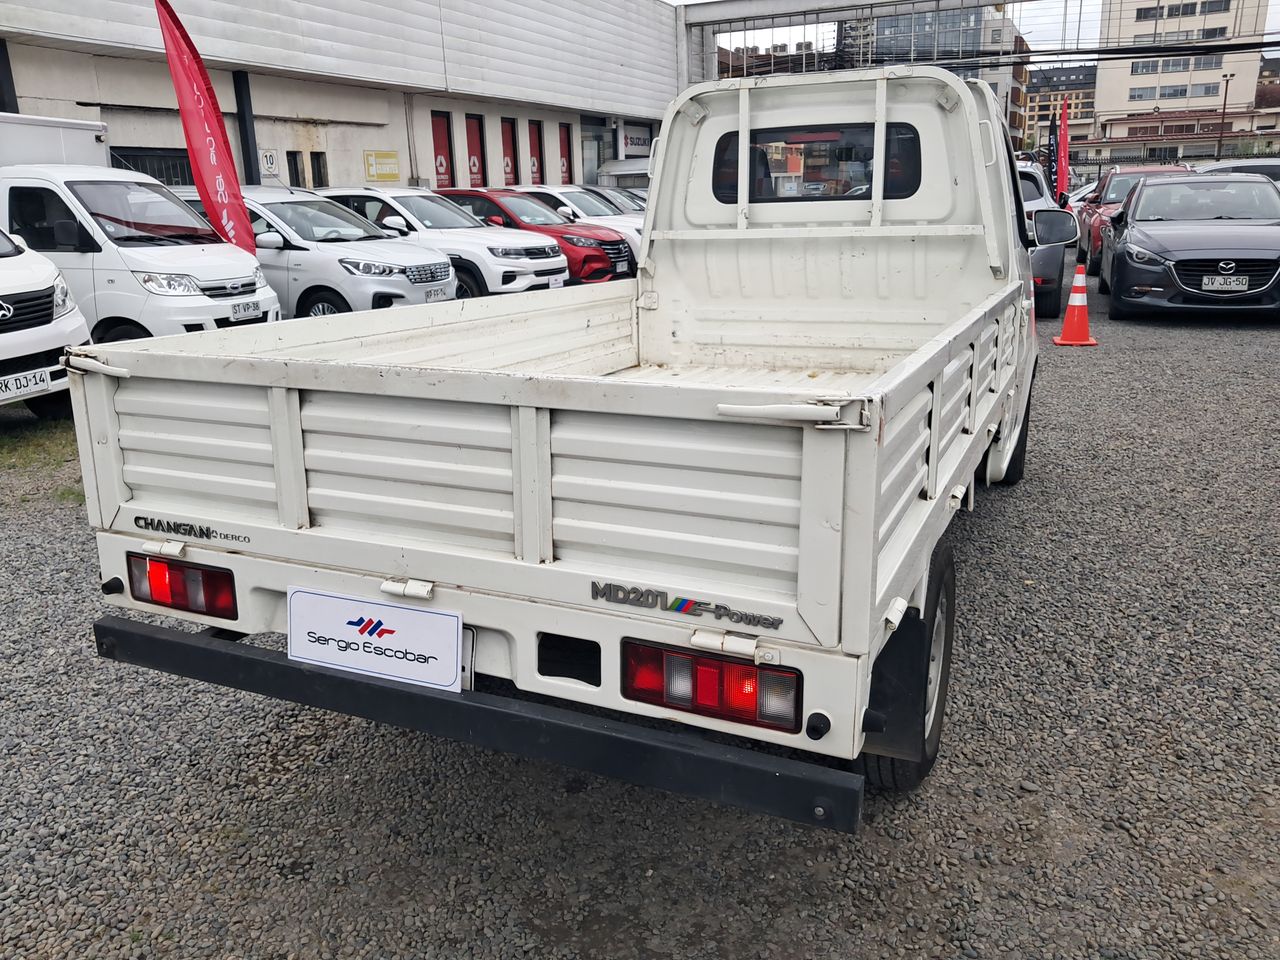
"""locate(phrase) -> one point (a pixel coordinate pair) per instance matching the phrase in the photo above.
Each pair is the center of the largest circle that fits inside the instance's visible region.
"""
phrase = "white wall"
(599, 56)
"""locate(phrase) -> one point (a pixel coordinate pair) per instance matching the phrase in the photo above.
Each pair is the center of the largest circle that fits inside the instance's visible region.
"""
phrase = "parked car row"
(1193, 243)
(94, 252)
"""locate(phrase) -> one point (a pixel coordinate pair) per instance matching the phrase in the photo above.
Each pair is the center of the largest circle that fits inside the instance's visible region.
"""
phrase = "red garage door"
(535, 151)
(566, 153)
(442, 137)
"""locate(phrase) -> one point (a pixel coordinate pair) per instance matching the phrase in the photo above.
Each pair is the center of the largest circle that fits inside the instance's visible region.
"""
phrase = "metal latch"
(648, 300)
(735, 645)
(413, 589)
(167, 548)
(824, 412)
(89, 365)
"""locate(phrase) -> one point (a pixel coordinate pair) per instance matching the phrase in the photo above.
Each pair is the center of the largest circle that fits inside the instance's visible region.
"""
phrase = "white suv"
(586, 207)
(320, 258)
(486, 259)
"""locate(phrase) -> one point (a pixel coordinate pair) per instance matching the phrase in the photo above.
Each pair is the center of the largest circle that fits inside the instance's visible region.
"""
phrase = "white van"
(486, 259)
(38, 320)
(138, 261)
(322, 258)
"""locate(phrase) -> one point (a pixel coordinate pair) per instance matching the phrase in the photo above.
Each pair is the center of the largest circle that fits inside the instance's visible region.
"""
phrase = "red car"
(1097, 208)
(595, 254)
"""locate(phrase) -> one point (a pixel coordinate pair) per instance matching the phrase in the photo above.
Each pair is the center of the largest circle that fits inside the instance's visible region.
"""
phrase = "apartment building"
(1187, 85)
(1047, 87)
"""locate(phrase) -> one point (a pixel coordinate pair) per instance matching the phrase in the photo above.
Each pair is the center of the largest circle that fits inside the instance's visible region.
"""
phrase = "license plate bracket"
(23, 384)
(393, 641)
(1215, 283)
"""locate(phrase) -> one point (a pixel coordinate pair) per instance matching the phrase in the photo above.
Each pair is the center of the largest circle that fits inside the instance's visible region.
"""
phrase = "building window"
(1170, 128)
(1181, 10)
(1211, 62)
(1178, 90)
(1176, 64)
(1149, 13)
(1215, 127)
(297, 178)
(1145, 131)
(1144, 38)
(1142, 93)
(1205, 89)
(1213, 33)
(319, 169)
(1144, 66)
(995, 36)
(170, 167)
(1215, 6)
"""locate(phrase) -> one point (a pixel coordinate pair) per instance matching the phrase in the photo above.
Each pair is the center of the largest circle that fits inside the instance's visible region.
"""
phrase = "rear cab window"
(819, 162)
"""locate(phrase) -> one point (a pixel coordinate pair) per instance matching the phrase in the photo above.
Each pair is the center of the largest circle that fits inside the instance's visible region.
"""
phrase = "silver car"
(1048, 263)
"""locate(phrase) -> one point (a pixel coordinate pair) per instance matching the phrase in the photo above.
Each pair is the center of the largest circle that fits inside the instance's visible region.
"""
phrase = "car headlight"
(169, 284)
(510, 253)
(582, 241)
(1145, 257)
(259, 281)
(370, 268)
(63, 302)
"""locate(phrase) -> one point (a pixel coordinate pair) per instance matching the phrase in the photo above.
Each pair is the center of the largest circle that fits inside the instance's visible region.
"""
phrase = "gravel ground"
(1108, 784)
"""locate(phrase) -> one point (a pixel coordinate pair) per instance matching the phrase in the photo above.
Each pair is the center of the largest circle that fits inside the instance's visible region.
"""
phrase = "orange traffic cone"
(1075, 325)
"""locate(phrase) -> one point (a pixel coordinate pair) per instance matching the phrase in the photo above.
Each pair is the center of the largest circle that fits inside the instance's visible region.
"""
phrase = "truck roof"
(74, 171)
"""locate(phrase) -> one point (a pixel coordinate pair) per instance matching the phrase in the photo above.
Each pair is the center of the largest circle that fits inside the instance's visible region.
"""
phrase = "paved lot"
(1108, 785)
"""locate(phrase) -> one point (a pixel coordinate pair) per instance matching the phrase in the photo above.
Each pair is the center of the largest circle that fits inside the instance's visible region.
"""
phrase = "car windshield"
(7, 247)
(622, 200)
(590, 204)
(138, 213)
(534, 212)
(437, 212)
(1210, 199)
(1030, 186)
(323, 221)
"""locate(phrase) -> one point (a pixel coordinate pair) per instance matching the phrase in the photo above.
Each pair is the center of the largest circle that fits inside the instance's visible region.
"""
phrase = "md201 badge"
(387, 640)
(658, 600)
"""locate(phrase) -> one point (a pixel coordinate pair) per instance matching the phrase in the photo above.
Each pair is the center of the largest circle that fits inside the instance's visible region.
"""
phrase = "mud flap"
(899, 679)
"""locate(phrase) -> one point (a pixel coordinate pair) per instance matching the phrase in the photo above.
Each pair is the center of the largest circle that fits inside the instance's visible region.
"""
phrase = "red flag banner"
(1062, 185)
(207, 144)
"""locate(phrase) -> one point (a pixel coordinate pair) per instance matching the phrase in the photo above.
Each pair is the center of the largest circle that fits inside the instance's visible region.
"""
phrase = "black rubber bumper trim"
(808, 793)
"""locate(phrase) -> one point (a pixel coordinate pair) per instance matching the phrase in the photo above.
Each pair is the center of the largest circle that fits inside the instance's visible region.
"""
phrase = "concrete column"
(244, 126)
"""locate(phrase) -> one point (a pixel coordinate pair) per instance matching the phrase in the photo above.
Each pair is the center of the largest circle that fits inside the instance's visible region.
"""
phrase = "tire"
(51, 406)
(1092, 264)
(121, 331)
(469, 286)
(322, 303)
(1049, 303)
(892, 773)
(1116, 310)
(1103, 286)
(1018, 462)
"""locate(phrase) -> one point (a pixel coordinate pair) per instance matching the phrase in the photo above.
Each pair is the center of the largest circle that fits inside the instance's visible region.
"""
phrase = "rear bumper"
(808, 793)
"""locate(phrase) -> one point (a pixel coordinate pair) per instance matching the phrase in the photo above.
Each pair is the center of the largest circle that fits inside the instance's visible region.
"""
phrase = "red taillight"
(183, 586)
(711, 686)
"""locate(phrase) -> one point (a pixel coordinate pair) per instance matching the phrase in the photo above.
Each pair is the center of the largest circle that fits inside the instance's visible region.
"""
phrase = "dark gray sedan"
(1194, 244)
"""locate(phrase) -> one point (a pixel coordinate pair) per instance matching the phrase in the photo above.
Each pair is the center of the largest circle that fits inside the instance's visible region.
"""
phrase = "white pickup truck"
(680, 530)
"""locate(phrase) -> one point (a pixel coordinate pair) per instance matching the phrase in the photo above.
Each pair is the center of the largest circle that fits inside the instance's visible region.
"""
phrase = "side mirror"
(495, 221)
(18, 241)
(1117, 220)
(66, 233)
(566, 213)
(269, 240)
(1054, 227)
(396, 223)
(1063, 200)
(1093, 198)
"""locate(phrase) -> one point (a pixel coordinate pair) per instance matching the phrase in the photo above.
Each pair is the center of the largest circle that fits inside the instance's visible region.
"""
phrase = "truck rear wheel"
(51, 406)
(893, 773)
(1018, 462)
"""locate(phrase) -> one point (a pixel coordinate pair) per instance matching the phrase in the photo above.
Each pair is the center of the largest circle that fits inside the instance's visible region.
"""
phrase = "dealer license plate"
(557, 282)
(388, 640)
(1213, 282)
(440, 293)
(23, 384)
(246, 309)
(621, 266)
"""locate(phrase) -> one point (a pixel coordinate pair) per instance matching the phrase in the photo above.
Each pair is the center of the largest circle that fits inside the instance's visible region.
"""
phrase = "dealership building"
(343, 92)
